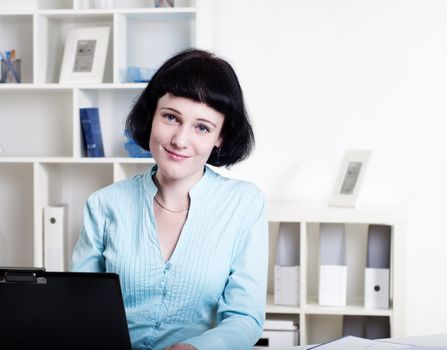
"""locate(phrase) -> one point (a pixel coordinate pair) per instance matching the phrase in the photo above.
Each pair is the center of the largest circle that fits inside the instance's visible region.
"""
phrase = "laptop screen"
(61, 310)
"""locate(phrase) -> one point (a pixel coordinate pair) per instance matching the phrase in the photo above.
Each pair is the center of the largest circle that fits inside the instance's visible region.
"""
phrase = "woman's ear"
(219, 142)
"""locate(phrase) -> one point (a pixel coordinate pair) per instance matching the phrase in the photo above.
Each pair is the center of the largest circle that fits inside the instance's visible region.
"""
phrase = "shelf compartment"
(325, 328)
(53, 30)
(16, 215)
(272, 308)
(122, 171)
(69, 184)
(147, 39)
(114, 106)
(39, 124)
(322, 328)
(17, 33)
(356, 251)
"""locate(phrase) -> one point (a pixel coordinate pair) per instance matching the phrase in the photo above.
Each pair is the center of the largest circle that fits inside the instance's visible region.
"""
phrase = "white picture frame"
(85, 55)
(350, 178)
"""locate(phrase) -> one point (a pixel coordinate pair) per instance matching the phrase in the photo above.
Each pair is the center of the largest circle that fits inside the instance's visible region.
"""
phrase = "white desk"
(428, 340)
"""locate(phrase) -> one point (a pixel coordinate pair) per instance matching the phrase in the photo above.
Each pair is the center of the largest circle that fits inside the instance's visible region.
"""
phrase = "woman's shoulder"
(118, 191)
(233, 185)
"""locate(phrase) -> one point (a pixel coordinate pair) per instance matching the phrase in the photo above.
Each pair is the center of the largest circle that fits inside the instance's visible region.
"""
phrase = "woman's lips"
(175, 155)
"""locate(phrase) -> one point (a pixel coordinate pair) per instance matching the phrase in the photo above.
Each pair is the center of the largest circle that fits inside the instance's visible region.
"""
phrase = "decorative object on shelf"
(164, 3)
(350, 178)
(54, 237)
(332, 289)
(85, 55)
(134, 150)
(377, 271)
(10, 67)
(91, 132)
(136, 74)
(287, 269)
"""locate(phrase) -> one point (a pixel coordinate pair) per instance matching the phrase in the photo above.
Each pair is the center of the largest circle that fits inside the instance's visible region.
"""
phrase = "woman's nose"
(180, 138)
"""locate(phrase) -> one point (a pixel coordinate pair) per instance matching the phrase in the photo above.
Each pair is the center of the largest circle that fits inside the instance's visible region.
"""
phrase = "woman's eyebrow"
(171, 109)
(206, 121)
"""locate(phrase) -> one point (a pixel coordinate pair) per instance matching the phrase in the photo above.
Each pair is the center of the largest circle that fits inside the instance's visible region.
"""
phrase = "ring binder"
(287, 269)
(377, 272)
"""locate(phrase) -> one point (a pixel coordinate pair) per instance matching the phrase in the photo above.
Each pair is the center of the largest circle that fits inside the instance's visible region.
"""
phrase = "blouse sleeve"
(241, 308)
(87, 254)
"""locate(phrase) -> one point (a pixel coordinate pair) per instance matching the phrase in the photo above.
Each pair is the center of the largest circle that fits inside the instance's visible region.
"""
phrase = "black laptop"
(61, 310)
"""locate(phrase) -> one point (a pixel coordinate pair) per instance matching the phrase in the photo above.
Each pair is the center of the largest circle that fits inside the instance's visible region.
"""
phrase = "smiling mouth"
(176, 155)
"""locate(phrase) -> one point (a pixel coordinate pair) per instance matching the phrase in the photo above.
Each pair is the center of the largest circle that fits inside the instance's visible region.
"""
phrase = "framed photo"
(85, 55)
(350, 178)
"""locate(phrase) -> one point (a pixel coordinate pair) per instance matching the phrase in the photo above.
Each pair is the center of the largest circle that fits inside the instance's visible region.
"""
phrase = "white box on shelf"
(54, 232)
(279, 333)
(377, 288)
(333, 285)
(287, 285)
(333, 276)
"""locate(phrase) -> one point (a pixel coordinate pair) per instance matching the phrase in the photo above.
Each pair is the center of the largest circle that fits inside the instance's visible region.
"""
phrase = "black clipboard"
(61, 310)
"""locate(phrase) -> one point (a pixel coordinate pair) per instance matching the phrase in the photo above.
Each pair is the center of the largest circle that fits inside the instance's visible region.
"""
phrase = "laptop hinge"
(22, 277)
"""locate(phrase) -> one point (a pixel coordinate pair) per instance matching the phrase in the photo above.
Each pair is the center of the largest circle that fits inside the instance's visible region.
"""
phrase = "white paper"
(355, 343)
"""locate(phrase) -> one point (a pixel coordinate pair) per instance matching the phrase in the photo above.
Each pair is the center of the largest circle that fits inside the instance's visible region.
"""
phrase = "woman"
(189, 245)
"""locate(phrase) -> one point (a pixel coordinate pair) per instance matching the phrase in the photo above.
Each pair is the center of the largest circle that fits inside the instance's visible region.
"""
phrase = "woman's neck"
(174, 194)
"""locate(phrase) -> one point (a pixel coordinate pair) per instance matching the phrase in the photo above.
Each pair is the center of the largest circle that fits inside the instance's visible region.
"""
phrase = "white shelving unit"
(317, 323)
(41, 159)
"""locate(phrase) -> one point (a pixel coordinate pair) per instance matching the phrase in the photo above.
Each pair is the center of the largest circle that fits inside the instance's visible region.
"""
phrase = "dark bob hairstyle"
(202, 77)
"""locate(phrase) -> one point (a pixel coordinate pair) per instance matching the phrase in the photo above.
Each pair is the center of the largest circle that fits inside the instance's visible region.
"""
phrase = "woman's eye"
(202, 128)
(169, 117)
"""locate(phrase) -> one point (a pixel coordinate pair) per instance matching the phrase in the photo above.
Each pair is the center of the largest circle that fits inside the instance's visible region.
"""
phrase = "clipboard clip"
(17, 275)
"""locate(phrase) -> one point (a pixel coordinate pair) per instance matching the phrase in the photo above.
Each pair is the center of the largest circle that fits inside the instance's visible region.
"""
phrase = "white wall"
(322, 76)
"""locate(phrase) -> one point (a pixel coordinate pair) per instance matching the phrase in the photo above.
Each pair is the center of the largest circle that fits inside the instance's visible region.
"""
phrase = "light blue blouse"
(212, 291)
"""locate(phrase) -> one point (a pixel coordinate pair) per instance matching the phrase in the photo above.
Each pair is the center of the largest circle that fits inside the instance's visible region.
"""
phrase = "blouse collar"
(198, 188)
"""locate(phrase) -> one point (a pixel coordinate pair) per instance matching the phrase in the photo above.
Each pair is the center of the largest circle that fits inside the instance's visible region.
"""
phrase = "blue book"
(91, 131)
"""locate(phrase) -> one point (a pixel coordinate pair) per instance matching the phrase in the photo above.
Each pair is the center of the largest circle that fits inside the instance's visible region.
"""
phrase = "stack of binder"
(287, 269)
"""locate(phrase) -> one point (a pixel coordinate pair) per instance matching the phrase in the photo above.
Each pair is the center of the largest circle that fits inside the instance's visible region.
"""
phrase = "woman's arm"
(87, 254)
(241, 308)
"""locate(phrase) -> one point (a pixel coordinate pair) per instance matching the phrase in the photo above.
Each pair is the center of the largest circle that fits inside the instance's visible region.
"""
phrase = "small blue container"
(134, 150)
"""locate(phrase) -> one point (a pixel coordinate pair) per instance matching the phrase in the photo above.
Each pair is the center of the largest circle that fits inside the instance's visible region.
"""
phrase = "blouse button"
(168, 265)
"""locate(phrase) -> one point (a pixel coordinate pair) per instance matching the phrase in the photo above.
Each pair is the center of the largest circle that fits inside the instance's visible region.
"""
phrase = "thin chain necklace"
(172, 211)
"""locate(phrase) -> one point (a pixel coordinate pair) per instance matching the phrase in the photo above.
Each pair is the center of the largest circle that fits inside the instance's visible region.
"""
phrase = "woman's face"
(183, 135)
